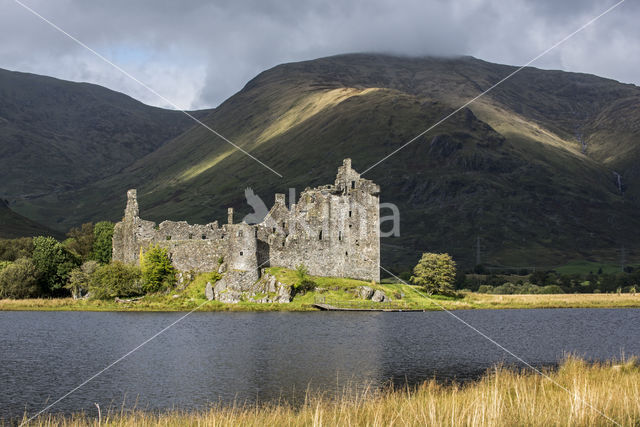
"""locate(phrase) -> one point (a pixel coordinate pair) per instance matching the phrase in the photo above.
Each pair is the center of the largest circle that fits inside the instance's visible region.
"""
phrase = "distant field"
(585, 267)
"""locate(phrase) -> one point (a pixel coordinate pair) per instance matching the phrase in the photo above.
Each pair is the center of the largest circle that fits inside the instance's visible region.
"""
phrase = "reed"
(503, 397)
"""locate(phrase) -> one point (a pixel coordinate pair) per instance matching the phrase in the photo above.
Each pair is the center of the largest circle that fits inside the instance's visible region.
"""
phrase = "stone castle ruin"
(333, 230)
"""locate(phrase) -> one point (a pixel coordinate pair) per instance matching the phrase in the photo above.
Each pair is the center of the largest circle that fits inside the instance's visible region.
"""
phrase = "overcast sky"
(198, 53)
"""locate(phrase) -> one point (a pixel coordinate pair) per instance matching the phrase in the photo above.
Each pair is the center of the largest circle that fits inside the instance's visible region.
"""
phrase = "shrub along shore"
(42, 274)
(469, 300)
(579, 393)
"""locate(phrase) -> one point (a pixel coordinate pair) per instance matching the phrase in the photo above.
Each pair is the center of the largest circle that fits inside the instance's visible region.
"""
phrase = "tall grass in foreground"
(501, 398)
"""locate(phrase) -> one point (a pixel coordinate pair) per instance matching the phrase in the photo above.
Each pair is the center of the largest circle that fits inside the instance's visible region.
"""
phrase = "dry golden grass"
(553, 301)
(501, 398)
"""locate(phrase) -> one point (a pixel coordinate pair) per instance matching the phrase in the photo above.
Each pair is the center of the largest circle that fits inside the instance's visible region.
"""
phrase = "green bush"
(435, 273)
(303, 287)
(551, 289)
(158, 274)
(115, 280)
(80, 240)
(506, 289)
(19, 280)
(301, 273)
(12, 249)
(102, 242)
(54, 263)
(485, 289)
(80, 278)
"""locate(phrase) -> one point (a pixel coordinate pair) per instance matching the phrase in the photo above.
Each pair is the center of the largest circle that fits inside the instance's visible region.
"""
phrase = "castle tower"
(132, 211)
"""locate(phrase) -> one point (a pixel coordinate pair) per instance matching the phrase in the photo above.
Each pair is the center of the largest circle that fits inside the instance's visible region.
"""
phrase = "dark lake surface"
(213, 357)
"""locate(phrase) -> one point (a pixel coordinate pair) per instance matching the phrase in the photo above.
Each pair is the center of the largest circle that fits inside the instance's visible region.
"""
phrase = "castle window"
(349, 214)
(190, 236)
(168, 237)
(256, 232)
(339, 235)
(320, 235)
(346, 253)
(350, 225)
(283, 243)
(204, 237)
(353, 184)
(241, 253)
(284, 224)
(239, 233)
(274, 229)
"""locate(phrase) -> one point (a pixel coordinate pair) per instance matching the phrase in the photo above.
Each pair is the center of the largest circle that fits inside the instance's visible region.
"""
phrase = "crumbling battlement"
(333, 230)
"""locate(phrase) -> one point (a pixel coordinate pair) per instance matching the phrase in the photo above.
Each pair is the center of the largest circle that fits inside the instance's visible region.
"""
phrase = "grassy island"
(331, 289)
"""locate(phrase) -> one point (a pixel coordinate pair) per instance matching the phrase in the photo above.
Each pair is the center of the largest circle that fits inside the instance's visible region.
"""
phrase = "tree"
(19, 280)
(436, 273)
(80, 278)
(12, 249)
(157, 271)
(54, 263)
(115, 280)
(102, 242)
(80, 240)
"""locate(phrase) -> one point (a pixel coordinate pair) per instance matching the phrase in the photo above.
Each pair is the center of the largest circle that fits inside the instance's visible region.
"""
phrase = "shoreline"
(586, 393)
(470, 301)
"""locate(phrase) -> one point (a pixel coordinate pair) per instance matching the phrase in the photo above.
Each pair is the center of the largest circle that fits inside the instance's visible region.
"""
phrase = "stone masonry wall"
(333, 230)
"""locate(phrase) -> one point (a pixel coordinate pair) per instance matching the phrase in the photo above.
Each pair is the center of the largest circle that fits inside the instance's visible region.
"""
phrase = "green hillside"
(57, 136)
(13, 225)
(527, 171)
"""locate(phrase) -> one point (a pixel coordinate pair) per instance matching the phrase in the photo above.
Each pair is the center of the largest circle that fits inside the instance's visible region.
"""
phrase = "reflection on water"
(211, 357)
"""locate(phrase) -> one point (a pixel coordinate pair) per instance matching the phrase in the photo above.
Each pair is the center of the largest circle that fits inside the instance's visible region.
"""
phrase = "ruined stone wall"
(190, 247)
(333, 230)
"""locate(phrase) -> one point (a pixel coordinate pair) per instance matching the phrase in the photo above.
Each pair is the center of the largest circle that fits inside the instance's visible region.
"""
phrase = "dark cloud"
(197, 53)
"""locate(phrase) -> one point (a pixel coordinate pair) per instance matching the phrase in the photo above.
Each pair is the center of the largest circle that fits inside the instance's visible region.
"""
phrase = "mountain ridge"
(510, 170)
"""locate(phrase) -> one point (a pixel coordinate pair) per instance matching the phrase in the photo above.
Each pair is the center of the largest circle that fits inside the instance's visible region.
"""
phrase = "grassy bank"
(331, 289)
(501, 398)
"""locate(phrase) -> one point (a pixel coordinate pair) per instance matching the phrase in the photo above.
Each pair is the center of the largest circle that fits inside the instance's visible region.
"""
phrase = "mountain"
(526, 176)
(57, 136)
(14, 225)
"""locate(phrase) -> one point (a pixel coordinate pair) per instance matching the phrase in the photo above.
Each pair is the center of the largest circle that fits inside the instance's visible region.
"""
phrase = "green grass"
(340, 290)
(585, 267)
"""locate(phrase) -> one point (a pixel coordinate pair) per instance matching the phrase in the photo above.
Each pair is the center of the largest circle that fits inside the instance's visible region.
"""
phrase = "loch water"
(249, 357)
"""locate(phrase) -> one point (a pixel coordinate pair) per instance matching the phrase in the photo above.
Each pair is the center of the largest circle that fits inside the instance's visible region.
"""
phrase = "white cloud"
(198, 53)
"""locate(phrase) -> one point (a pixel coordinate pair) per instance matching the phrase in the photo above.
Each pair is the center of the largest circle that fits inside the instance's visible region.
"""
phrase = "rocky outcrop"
(238, 286)
(379, 296)
(364, 292)
(268, 289)
(208, 291)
